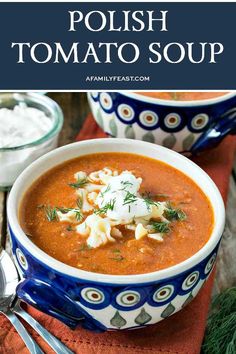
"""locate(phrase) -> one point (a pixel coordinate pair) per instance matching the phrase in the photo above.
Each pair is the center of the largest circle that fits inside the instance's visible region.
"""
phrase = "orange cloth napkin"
(181, 333)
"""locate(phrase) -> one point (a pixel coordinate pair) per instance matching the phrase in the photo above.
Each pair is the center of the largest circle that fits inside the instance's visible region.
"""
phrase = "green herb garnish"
(81, 182)
(150, 202)
(118, 258)
(40, 206)
(125, 184)
(106, 190)
(116, 250)
(79, 202)
(84, 247)
(148, 195)
(221, 330)
(161, 195)
(69, 228)
(78, 214)
(162, 227)
(174, 214)
(51, 213)
(109, 206)
(148, 199)
(129, 198)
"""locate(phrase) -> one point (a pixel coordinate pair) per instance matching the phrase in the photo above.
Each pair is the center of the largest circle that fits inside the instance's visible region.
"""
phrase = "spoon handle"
(52, 341)
(29, 341)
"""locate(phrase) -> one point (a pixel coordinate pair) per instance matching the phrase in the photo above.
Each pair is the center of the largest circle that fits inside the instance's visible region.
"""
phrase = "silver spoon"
(8, 282)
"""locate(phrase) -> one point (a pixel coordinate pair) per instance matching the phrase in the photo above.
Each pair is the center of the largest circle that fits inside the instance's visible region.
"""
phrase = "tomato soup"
(183, 96)
(117, 213)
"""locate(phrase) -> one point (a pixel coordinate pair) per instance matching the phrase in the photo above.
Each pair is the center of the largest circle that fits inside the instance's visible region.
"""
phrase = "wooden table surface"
(75, 108)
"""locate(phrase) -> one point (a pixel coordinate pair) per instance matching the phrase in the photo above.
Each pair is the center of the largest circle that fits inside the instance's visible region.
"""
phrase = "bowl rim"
(36, 252)
(43, 101)
(196, 103)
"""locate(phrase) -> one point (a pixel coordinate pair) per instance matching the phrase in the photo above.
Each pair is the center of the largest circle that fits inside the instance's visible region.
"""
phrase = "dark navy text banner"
(117, 45)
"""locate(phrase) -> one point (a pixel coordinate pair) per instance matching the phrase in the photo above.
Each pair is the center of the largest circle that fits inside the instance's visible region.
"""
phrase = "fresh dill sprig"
(150, 202)
(220, 336)
(129, 198)
(148, 199)
(106, 190)
(161, 195)
(78, 214)
(51, 213)
(41, 206)
(125, 184)
(81, 182)
(149, 195)
(174, 214)
(116, 250)
(109, 206)
(84, 247)
(69, 228)
(79, 202)
(162, 226)
(118, 258)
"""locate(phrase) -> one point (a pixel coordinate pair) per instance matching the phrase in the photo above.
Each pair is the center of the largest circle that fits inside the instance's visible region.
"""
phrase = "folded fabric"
(181, 333)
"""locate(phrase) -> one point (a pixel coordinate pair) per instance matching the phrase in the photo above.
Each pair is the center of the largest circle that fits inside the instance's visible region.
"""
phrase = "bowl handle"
(224, 125)
(50, 300)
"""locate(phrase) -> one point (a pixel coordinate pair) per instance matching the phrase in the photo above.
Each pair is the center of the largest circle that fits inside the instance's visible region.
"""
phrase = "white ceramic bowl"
(66, 292)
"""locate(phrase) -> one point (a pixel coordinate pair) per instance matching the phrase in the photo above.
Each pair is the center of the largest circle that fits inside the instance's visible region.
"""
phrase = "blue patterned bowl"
(184, 126)
(101, 301)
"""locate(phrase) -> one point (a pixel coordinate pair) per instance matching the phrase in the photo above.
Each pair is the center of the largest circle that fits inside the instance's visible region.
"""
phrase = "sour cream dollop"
(121, 193)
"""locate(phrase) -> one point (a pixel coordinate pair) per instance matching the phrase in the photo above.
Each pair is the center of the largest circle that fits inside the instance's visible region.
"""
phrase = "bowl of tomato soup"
(187, 122)
(113, 234)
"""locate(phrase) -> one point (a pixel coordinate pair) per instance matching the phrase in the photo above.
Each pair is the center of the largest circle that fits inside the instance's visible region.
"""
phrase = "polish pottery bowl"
(184, 126)
(102, 301)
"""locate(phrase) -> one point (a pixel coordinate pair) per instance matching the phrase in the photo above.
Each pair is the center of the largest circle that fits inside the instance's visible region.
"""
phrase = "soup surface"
(116, 213)
(183, 96)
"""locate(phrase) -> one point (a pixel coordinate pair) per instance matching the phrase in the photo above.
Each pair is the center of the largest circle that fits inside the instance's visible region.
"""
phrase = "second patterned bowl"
(184, 126)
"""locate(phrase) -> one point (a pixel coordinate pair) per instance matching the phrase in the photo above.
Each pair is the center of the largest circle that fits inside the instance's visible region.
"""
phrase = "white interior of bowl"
(173, 103)
(68, 152)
